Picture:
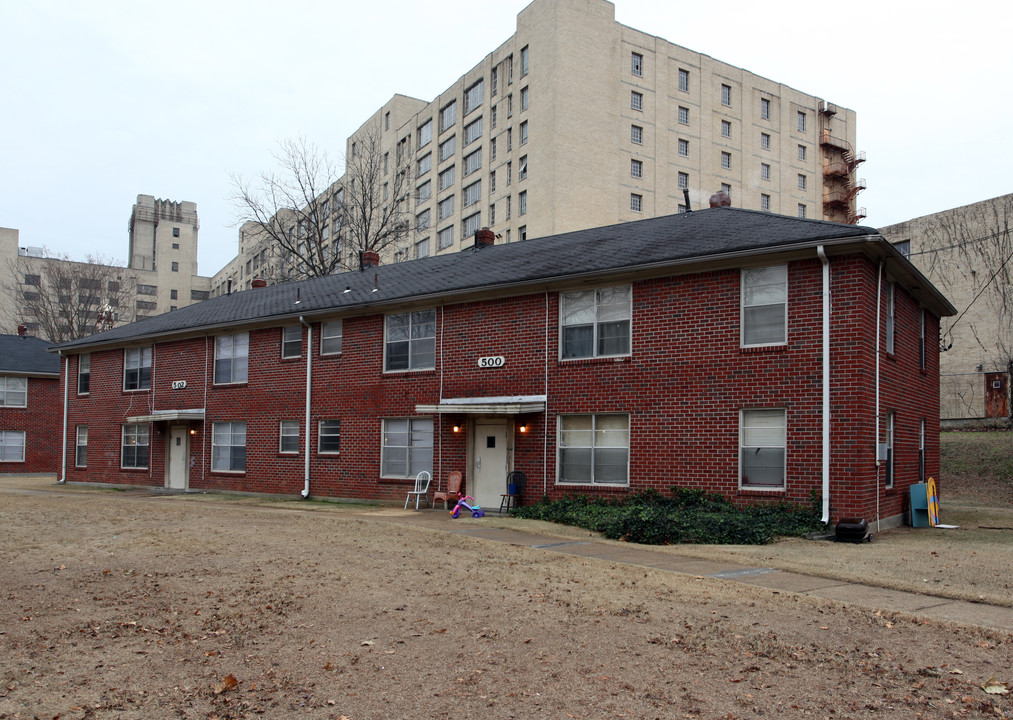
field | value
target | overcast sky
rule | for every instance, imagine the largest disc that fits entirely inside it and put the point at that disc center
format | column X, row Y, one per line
column 102, row 100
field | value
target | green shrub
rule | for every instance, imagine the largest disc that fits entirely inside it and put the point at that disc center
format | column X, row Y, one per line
column 686, row 516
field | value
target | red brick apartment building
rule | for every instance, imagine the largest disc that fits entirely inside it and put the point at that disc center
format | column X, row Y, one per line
column 760, row 356
column 30, row 406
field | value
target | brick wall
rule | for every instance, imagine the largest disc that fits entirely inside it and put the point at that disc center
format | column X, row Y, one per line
column 40, row 421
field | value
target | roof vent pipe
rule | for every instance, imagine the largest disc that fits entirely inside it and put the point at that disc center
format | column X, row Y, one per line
column 685, row 195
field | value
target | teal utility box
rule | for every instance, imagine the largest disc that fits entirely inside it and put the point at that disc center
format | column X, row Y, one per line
column 920, row 506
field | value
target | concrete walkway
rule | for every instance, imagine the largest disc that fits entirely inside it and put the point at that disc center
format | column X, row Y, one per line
column 919, row 604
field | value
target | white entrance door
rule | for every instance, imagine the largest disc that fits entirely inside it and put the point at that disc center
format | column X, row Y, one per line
column 179, row 451
column 490, row 470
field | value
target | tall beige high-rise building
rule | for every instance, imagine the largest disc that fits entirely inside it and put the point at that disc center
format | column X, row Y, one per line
column 578, row 121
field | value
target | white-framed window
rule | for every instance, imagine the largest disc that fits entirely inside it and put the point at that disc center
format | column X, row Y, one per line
column 509, row 204
column 636, row 202
column 473, row 96
column 424, row 191
column 594, row 449
column 494, row 83
column 472, row 131
column 802, row 152
column 888, row 438
column 525, row 95
column 802, row 212
column 492, row 182
column 684, row 80
column 726, row 95
column 762, row 446
column 447, row 177
column 81, row 446
column 329, row 437
column 726, row 129
column 446, row 207
column 637, row 64
column 410, row 341
column 921, row 450
column 764, row 171
column 683, row 115
column 492, row 214
column 595, row 323
column 471, row 224
column 764, row 306
column 12, row 445
column 801, row 121
column 228, row 446
column 683, row 147
column 522, row 168
column 765, row 202
column 134, row 446
column 13, row 391
column 726, row 160
column 445, row 237
column 330, row 337
column 522, row 232
column 764, row 109
column 83, row 374
column 422, row 220
column 803, row 181
column 424, row 165
column 291, row 341
column 524, row 60
column 472, row 193
column 492, row 116
column 448, row 147
column 448, row 115
column 765, row 141
column 725, row 187
column 524, row 132
column 473, row 162
column 636, row 134
column 406, row 448
column 232, row 358
column 522, row 202
column 288, row 437
column 510, row 139
column 422, row 248
column 683, row 180
column 425, row 133
column 921, row 339
column 137, row 368
column 636, row 100
column 636, row 168
column 891, row 318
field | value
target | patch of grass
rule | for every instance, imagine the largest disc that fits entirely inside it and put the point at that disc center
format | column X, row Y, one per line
column 686, row 516
column 988, row 453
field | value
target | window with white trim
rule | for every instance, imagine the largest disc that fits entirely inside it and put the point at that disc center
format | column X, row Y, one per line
column 684, row 80
column 329, row 437
column 726, row 129
column 448, row 115
column 446, row 207
column 921, row 450
column 636, row 168
column 726, row 95
column 802, row 153
column 472, row 131
column 921, row 339
column 683, row 180
column 81, row 446
column 803, row 182
column 410, row 341
column 471, row 224
column 13, row 391
column 764, row 202
column 12, row 445
column 801, row 121
column 472, row 193
column 291, row 341
column 424, row 165
column 330, row 337
column 447, row 177
column 594, row 449
column 891, row 317
column 764, row 306
column 524, row 60
column 524, row 132
column 228, row 446
column 524, row 99
column 422, row 220
column 522, row 168
column 83, row 374
column 764, row 109
column 522, row 202
column 683, row 147
column 683, row 115
column 765, row 141
column 888, row 437
column 134, row 447
column 762, row 445
column 137, row 368
column 764, row 171
column 636, row 202
column 425, row 133
column 637, row 64
column 473, row 162
column 232, row 358
column 448, row 147
column 407, row 447
column 636, row 134
column 802, row 212
column 445, row 237
column 288, row 437
column 595, row 323
column 422, row 248
column 424, row 192
column 636, row 100
column 473, row 96
column 726, row 160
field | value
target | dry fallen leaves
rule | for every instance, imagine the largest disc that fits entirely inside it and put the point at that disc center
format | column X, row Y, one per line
column 229, row 682
column 994, row 687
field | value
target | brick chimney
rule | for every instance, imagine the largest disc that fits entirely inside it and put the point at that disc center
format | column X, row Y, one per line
column 721, row 199
column 368, row 259
column 484, row 237
column 22, row 330
column 258, row 283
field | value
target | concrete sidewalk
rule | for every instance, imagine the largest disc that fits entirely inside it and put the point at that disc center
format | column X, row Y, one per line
column 919, row 604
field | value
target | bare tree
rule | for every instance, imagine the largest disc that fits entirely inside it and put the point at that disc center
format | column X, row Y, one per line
column 63, row 300
column 302, row 220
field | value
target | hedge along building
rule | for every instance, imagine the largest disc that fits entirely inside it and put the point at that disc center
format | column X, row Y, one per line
column 760, row 356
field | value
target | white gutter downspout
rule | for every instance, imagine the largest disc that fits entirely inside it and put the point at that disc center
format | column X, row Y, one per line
column 826, row 384
column 875, row 440
column 66, row 389
column 309, row 377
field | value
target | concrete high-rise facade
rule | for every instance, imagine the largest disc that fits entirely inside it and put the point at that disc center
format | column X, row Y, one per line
column 578, row 121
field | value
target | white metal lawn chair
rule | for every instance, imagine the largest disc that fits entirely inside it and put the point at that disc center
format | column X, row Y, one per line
column 421, row 491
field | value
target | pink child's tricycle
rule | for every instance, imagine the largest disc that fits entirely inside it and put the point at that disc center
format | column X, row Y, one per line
column 474, row 507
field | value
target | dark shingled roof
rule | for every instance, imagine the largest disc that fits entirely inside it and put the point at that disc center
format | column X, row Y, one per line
column 26, row 355
column 656, row 242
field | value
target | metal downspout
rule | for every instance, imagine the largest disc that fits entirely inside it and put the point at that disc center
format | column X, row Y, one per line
column 875, row 440
column 66, row 400
column 309, row 378
column 826, row 384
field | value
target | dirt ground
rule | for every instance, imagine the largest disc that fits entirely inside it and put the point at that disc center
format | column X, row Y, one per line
column 133, row 605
